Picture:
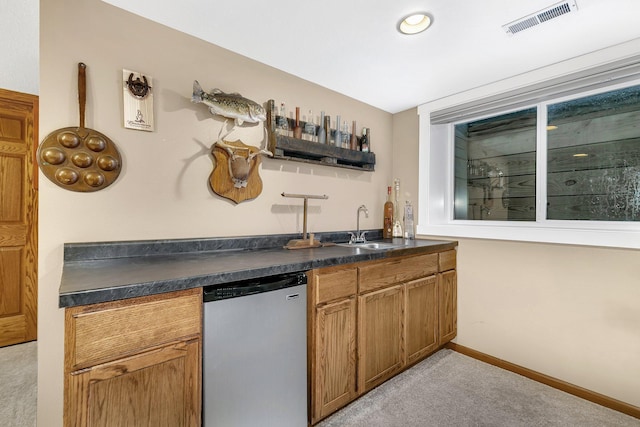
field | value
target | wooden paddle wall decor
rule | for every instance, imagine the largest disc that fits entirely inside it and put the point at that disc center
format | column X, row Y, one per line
column 235, row 173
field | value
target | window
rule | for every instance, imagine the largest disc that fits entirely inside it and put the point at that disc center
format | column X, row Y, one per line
column 495, row 168
column 593, row 157
column 593, row 161
column 556, row 161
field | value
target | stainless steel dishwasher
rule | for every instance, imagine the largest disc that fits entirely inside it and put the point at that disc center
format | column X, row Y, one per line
column 255, row 353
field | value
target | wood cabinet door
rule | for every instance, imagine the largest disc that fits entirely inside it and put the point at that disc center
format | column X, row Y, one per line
column 334, row 373
column 18, row 217
column 448, row 305
column 380, row 336
column 421, row 318
column 156, row 388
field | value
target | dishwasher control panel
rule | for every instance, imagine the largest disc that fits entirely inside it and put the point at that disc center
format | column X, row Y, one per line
column 253, row 286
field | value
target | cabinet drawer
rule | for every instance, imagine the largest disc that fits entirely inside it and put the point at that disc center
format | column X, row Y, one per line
column 447, row 261
column 387, row 273
column 106, row 331
column 339, row 284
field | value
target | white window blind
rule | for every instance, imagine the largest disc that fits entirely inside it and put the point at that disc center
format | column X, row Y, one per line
column 620, row 71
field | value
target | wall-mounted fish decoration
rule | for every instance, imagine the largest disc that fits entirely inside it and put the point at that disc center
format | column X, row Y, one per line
column 229, row 105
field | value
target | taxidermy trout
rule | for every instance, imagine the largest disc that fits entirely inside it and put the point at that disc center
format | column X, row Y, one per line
column 229, row 105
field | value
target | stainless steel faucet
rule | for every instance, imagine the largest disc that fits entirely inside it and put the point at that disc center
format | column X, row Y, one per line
column 359, row 237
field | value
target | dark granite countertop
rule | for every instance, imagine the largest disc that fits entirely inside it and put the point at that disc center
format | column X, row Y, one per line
column 109, row 271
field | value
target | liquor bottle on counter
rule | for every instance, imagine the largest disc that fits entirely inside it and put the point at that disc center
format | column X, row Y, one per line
column 397, row 226
column 297, row 130
column 387, row 225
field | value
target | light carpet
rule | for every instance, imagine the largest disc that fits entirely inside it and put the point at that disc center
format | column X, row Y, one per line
column 450, row 389
column 18, row 377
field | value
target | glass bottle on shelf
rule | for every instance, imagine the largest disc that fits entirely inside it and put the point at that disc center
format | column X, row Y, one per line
column 309, row 127
column 282, row 124
column 327, row 129
column 397, row 226
column 353, row 142
column 387, row 225
column 345, row 135
column 322, row 134
column 364, row 140
column 337, row 138
column 297, row 130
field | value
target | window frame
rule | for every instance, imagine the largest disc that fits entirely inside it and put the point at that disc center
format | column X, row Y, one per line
column 437, row 154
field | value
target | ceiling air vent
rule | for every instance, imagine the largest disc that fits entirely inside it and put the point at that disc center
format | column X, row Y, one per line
column 539, row 17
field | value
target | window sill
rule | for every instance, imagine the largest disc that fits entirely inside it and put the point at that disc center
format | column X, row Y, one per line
column 533, row 232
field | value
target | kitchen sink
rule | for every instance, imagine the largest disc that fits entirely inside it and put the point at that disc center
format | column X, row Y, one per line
column 374, row 246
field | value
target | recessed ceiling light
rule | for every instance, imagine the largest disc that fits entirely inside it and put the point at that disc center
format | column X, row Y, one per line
column 414, row 23
column 581, row 155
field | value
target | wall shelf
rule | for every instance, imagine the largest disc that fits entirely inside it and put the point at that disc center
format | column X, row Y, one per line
column 288, row 148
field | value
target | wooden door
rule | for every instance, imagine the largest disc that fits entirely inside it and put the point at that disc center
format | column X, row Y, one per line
column 156, row 388
column 335, row 357
column 448, row 312
column 18, row 217
column 380, row 336
column 421, row 318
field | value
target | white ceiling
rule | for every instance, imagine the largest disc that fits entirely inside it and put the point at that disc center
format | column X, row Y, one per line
column 353, row 47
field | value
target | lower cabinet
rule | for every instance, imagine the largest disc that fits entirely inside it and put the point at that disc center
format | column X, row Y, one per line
column 380, row 336
column 406, row 310
column 158, row 387
column 448, row 292
column 332, row 340
column 421, row 318
column 335, row 356
column 134, row 362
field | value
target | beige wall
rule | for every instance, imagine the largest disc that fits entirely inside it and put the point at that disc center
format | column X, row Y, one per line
column 571, row 312
column 162, row 191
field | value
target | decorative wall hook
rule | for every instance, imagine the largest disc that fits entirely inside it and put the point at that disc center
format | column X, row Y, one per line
column 138, row 88
column 137, row 101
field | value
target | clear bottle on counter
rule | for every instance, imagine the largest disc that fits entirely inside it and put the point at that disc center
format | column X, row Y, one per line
column 397, row 226
column 387, row 225
column 409, row 232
